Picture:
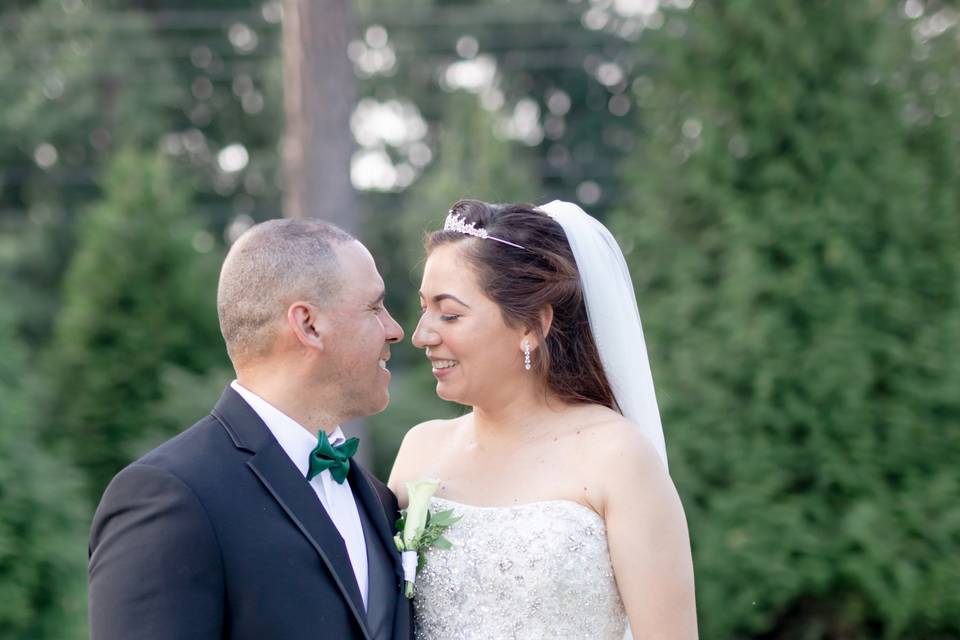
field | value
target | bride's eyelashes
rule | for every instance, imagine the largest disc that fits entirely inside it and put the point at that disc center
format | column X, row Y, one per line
column 445, row 318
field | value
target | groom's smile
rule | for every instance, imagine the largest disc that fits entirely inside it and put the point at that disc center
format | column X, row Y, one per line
column 364, row 330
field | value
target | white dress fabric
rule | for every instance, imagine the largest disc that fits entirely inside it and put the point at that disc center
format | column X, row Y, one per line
column 532, row 571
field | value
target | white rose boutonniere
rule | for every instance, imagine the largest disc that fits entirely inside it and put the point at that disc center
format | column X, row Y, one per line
column 418, row 529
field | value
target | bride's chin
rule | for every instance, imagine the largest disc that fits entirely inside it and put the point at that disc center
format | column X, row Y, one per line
column 446, row 393
column 442, row 395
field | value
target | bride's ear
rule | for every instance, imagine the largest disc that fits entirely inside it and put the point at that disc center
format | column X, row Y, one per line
column 546, row 320
column 307, row 324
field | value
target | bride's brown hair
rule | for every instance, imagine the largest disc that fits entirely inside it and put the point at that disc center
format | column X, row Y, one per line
column 522, row 282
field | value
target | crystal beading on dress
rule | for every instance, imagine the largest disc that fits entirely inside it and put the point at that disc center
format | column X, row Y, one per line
column 532, row 571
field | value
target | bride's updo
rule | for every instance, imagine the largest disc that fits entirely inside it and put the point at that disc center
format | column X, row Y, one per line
column 523, row 281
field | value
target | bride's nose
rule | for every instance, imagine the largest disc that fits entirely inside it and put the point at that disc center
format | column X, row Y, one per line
column 423, row 336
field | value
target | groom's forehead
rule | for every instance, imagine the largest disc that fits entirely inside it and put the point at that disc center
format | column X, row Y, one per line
column 365, row 288
column 356, row 263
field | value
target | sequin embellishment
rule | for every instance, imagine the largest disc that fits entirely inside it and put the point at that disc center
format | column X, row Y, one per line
column 532, row 571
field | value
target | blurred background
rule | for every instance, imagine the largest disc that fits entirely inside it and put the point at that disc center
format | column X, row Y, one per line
column 783, row 175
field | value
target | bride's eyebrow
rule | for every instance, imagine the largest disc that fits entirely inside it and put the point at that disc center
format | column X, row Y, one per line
column 447, row 296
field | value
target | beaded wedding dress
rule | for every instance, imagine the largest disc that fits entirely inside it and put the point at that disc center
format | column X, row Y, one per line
column 533, row 571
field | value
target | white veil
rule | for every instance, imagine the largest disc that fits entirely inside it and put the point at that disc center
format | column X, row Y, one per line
column 614, row 317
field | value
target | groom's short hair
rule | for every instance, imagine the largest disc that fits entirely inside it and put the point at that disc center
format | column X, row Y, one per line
column 270, row 266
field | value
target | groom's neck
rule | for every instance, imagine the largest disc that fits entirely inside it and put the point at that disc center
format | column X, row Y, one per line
column 303, row 405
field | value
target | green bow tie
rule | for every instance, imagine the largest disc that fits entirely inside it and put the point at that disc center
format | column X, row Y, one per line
column 335, row 458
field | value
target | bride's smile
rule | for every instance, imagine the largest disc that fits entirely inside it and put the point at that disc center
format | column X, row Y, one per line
column 442, row 367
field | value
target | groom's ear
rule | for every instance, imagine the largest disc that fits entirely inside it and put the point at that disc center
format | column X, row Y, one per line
column 307, row 324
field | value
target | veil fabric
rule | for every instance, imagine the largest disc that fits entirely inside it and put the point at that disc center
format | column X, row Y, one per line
column 614, row 317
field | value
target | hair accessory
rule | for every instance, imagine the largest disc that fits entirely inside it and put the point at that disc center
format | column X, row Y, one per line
column 455, row 222
column 526, row 355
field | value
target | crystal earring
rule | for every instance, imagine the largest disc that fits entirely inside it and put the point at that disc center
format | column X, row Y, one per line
column 526, row 355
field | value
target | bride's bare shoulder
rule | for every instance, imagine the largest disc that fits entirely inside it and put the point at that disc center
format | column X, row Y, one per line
column 421, row 444
column 424, row 438
column 617, row 446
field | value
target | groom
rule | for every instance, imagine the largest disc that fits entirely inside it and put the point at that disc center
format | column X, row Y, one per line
column 247, row 525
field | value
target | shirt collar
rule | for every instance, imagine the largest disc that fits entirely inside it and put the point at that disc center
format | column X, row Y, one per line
column 293, row 437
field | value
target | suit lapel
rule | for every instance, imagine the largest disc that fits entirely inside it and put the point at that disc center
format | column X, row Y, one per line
column 365, row 494
column 383, row 522
column 293, row 493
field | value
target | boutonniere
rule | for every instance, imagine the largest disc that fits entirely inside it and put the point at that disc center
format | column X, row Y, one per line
column 418, row 529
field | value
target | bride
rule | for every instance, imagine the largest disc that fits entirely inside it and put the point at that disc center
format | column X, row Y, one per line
column 570, row 526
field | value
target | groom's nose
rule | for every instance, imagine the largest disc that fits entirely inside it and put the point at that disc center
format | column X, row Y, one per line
column 392, row 329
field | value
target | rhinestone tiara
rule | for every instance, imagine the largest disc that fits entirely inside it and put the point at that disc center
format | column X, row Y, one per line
column 455, row 222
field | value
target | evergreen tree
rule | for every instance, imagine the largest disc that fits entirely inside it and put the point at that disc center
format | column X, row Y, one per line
column 81, row 80
column 138, row 298
column 42, row 530
column 794, row 234
column 75, row 83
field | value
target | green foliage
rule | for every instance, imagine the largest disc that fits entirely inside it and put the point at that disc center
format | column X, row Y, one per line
column 138, row 298
column 545, row 59
column 471, row 162
column 69, row 99
column 43, row 528
column 66, row 81
column 791, row 211
column 81, row 80
column 185, row 397
column 794, row 235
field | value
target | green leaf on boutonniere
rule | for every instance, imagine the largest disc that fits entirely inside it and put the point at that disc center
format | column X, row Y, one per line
column 442, row 543
column 443, row 518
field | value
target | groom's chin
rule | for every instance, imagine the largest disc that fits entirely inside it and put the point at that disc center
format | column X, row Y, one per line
column 368, row 405
column 381, row 403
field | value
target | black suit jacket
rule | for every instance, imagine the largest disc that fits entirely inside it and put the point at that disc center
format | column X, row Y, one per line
column 216, row 535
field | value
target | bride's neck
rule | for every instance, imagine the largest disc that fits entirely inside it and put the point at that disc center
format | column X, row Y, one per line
column 524, row 417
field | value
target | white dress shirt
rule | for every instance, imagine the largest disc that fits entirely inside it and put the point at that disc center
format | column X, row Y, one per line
column 336, row 498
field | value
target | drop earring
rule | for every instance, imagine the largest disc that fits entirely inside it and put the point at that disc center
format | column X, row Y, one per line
column 526, row 355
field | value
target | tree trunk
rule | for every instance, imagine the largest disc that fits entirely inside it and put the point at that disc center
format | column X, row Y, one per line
column 318, row 100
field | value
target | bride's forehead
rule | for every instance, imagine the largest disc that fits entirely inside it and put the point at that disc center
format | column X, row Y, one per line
column 448, row 263
column 449, row 272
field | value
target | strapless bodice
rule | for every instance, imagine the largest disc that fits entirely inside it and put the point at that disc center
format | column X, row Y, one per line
column 537, row 570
